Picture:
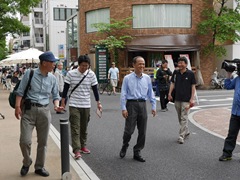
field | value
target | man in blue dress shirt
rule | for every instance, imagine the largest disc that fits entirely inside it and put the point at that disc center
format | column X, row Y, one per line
column 136, row 89
column 35, row 112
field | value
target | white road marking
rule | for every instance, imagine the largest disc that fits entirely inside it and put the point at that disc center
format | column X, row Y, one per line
column 81, row 168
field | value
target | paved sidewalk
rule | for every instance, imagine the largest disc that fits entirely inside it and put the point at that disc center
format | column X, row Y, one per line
column 10, row 154
column 213, row 120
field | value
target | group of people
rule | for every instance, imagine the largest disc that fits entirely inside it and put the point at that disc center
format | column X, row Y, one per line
column 34, row 110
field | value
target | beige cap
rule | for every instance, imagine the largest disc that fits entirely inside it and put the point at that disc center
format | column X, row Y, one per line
column 113, row 62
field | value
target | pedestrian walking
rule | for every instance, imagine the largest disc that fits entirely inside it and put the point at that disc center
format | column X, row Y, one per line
column 80, row 81
column 163, row 76
column 234, row 126
column 35, row 112
column 183, row 81
column 60, row 81
column 136, row 89
column 113, row 75
column 156, row 80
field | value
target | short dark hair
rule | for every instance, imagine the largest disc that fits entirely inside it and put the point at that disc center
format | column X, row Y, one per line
column 83, row 58
column 164, row 61
column 183, row 59
column 135, row 59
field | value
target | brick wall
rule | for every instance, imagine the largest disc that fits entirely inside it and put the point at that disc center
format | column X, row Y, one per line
column 120, row 9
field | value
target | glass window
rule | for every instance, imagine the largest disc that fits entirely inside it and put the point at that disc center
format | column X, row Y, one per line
column 62, row 14
column 56, row 13
column 69, row 13
column 162, row 15
column 97, row 16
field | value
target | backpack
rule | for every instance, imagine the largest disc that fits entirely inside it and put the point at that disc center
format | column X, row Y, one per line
column 12, row 95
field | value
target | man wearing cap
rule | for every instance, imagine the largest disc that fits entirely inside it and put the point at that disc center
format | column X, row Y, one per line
column 35, row 111
column 113, row 75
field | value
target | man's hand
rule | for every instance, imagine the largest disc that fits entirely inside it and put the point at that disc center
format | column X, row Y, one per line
column 125, row 114
column 99, row 106
column 18, row 112
column 154, row 113
column 58, row 108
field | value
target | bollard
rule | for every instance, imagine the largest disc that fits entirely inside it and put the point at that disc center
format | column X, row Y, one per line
column 64, row 146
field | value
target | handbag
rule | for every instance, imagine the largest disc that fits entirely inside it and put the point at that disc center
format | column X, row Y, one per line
column 78, row 84
column 12, row 95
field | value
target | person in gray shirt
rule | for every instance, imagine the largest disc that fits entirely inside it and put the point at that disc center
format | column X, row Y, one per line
column 35, row 111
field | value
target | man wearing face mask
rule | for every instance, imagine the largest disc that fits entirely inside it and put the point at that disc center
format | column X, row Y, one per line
column 80, row 81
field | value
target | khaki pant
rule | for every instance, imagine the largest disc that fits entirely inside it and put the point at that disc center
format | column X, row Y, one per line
column 39, row 117
column 79, row 118
column 182, row 109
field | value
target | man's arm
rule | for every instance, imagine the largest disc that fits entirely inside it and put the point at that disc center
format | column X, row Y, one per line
column 18, row 111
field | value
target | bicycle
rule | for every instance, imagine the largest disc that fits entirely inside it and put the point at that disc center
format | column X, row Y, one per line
column 106, row 86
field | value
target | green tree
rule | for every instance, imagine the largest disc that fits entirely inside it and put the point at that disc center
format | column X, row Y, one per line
column 9, row 22
column 114, row 35
column 223, row 23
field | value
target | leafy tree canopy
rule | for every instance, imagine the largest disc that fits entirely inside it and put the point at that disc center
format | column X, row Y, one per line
column 9, row 22
column 114, row 35
column 223, row 23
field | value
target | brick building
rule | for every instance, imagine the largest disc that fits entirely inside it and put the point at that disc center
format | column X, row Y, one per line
column 161, row 29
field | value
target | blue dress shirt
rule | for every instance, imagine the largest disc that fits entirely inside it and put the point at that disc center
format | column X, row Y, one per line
column 234, row 84
column 41, row 87
column 135, row 87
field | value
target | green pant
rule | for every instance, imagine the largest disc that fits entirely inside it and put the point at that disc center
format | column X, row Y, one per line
column 79, row 118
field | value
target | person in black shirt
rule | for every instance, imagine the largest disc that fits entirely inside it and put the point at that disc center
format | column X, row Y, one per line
column 183, row 81
column 14, row 79
column 163, row 77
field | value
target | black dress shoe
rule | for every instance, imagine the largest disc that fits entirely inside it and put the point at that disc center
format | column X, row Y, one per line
column 42, row 172
column 123, row 152
column 24, row 170
column 139, row 158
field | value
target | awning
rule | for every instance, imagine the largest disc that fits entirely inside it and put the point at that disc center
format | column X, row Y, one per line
column 183, row 42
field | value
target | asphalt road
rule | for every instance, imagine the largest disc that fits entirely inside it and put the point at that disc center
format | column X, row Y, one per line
column 196, row 159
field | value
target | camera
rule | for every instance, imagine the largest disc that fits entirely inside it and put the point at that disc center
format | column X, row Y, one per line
column 231, row 65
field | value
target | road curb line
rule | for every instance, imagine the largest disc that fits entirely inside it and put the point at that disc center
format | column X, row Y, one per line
column 191, row 119
column 81, row 168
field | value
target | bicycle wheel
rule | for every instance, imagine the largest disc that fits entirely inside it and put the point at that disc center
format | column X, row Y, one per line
column 100, row 88
column 109, row 89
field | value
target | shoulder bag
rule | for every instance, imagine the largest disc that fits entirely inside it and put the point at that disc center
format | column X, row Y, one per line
column 78, row 84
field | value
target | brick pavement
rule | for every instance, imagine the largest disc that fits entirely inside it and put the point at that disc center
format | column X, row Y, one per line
column 214, row 119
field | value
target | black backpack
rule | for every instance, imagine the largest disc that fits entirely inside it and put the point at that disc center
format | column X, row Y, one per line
column 12, row 95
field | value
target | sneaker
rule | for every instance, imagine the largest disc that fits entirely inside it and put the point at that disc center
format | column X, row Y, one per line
column 180, row 140
column 187, row 135
column 225, row 158
column 85, row 150
column 77, row 155
column 163, row 110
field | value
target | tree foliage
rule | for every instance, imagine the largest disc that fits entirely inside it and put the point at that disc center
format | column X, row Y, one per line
column 114, row 35
column 9, row 22
column 223, row 23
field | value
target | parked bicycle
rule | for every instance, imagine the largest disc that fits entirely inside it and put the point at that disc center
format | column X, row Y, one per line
column 105, row 86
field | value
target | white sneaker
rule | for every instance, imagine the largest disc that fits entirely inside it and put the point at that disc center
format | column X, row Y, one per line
column 180, row 140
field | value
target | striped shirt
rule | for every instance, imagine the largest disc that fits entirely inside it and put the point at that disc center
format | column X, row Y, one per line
column 80, row 97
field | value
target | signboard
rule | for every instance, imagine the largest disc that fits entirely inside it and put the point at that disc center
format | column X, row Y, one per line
column 61, row 51
column 102, row 64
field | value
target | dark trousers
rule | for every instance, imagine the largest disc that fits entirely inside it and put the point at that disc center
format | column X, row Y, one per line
column 230, row 141
column 137, row 115
column 164, row 98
